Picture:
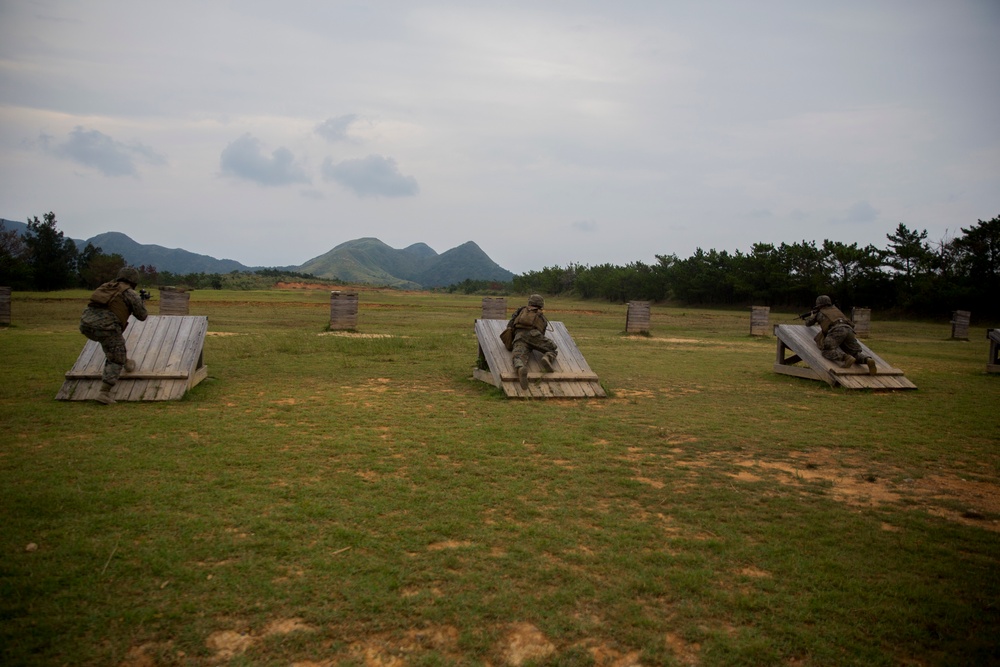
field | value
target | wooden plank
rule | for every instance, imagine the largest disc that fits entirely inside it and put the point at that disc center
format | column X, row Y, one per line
column 572, row 377
column 141, row 375
column 4, row 305
column 758, row 320
column 494, row 308
column 862, row 318
column 552, row 377
column 168, row 353
column 799, row 371
column 174, row 302
column 993, row 361
column 485, row 376
column 637, row 317
column 960, row 320
column 800, row 340
column 140, row 339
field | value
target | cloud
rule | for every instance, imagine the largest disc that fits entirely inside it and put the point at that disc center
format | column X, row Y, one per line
column 861, row 213
column 244, row 158
column 335, row 129
column 92, row 148
column 374, row 175
column 584, row 225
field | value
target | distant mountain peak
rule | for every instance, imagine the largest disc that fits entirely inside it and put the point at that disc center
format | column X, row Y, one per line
column 369, row 260
column 365, row 260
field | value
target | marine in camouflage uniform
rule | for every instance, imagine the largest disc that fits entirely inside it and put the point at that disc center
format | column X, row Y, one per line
column 104, row 320
column 529, row 325
column 836, row 337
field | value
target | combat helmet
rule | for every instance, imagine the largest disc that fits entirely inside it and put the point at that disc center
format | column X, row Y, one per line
column 823, row 300
column 129, row 274
column 536, row 300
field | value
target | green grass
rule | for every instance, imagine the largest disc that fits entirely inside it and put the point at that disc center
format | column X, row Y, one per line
column 326, row 499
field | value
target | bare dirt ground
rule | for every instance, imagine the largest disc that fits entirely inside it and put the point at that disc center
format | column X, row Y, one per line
column 307, row 286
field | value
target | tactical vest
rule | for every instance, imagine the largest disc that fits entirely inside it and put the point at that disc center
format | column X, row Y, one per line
column 530, row 318
column 831, row 315
column 109, row 295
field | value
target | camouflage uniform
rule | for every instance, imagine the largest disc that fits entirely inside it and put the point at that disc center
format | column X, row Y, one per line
column 529, row 325
column 836, row 337
column 104, row 324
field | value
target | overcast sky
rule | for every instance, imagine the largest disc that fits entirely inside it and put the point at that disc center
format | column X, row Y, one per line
column 549, row 133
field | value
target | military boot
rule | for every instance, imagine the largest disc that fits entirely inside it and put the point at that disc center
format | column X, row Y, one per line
column 872, row 369
column 848, row 362
column 547, row 360
column 522, row 376
column 104, row 396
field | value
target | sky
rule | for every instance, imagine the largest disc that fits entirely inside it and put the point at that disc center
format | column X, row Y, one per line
column 549, row 133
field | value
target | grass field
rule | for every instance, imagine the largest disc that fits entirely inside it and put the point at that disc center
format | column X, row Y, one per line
column 331, row 498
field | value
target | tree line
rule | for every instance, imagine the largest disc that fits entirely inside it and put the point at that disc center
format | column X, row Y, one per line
column 43, row 259
column 909, row 276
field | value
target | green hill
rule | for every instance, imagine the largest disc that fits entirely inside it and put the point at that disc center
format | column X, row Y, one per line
column 369, row 260
column 365, row 260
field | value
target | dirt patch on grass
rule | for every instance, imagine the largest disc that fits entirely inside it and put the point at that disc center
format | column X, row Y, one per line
column 354, row 334
column 856, row 481
column 224, row 644
column 307, row 286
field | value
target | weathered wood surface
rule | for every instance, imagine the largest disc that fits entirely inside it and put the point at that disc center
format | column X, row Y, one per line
column 343, row 310
column 494, row 308
column 862, row 318
column 799, row 339
column 572, row 376
column 4, row 305
column 167, row 350
column 174, row 301
column 637, row 318
column 993, row 365
column 960, row 324
column 759, row 316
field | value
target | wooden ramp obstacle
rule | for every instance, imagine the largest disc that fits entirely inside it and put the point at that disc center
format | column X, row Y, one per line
column 174, row 301
column 799, row 339
column 960, row 320
column 637, row 318
column 758, row 320
column 343, row 311
column 572, row 377
column 495, row 308
column 993, row 365
column 167, row 350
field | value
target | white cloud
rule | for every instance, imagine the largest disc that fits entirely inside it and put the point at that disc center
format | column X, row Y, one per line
column 372, row 176
column 336, row 129
column 97, row 150
column 245, row 159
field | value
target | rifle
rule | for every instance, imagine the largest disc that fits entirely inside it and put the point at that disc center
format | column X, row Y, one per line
column 805, row 316
column 144, row 295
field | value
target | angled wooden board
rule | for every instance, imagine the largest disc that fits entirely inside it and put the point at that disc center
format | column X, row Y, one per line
column 799, row 339
column 572, row 376
column 168, row 351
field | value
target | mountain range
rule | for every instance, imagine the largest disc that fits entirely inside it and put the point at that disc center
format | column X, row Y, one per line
column 361, row 261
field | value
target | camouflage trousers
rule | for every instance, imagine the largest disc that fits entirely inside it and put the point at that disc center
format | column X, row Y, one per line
column 840, row 341
column 526, row 340
column 113, row 344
